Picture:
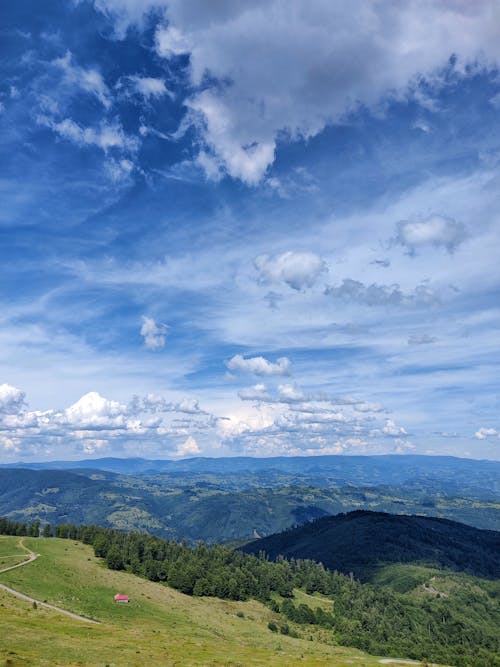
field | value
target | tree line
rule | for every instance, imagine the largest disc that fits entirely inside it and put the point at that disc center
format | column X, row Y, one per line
column 460, row 630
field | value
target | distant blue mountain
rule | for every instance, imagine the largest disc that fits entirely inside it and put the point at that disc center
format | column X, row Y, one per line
column 458, row 476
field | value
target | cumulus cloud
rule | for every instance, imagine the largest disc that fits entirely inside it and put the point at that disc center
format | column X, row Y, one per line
column 93, row 410
column 291, row 421
column 392, row 429
column 298, row 270
column 259, row 365
column 437, row 230
column 12, row 400
column 286, row 70
column 382, row 295
column 95, row 423
column 188, row 448
column 154, row 334
column 89, row 80
column 484, row 433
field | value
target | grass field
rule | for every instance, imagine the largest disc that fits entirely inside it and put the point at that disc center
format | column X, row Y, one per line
column 159, row 627
column 11, row 552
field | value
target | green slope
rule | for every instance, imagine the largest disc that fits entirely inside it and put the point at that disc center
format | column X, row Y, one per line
column 160, row 626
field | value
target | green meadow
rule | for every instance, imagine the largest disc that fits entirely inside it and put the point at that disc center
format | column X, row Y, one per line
column 160, row 626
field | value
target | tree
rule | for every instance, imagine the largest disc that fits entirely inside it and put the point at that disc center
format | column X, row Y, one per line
column 114, row 559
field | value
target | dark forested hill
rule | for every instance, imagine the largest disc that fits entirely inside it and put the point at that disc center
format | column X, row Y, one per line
column 361, row 541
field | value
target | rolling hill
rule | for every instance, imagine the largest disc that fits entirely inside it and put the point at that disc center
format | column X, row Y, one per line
column 457, row 476
column 160, row 626
column 361, row 542
column 214, row 508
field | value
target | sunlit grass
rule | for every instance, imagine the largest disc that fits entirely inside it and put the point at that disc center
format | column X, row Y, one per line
column 159, row 626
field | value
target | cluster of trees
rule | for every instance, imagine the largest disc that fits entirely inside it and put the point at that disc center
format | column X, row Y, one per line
column 461, row 630
column 21, row 528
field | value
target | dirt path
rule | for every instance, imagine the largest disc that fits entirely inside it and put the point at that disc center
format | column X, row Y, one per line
column 394, row 661
column 33, row 556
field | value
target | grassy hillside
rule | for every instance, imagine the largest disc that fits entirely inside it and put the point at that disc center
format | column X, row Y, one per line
column 361, row 541
column 160, row 626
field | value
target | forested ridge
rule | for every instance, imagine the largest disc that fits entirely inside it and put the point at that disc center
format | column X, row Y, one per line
column 460, row 630
column 361, row 541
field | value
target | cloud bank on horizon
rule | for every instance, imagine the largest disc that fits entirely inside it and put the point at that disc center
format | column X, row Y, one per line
column 285, row 213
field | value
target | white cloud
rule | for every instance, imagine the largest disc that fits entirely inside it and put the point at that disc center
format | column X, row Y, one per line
column 171, row 42
column 282, row 71
column 119, row 170
column 289, row 393
column 95, row 423
column 107, row 136
column 299, row 270
column 436, row 230
column 188, row 448
column 288, row 70
column 290, row 422
column 484, row 433
column 93, row 410
column 255, row 393
column 392, row 429
column 154, row 404
column 11, row 399
column 259, row 365
column 382, row 295
column 154, row 334
column 149, row 87
column 89, row 80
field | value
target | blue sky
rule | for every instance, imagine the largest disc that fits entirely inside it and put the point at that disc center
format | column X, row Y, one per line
column 249, row 228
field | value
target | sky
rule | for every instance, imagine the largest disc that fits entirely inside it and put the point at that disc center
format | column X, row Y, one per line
column 249, row 228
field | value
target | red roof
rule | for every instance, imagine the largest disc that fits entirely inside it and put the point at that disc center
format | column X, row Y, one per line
column 118, row 597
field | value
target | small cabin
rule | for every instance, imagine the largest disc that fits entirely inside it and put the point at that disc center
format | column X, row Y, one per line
column 121, row 598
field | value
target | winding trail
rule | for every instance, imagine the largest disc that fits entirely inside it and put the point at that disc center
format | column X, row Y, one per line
column 395, row 661
column 31, row 557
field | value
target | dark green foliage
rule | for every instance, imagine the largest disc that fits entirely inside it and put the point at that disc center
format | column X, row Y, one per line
column 459, row 630
column 20, row 528
column 360, row 541
column 114, row 558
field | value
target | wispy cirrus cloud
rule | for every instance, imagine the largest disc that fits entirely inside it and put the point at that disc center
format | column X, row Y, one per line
column 88, row 79
column 106, row 136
